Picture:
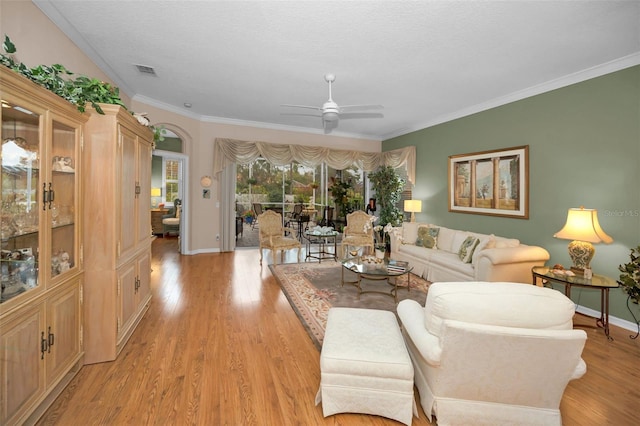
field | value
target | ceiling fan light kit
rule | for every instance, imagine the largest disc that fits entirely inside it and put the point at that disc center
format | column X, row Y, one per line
column 331, row 110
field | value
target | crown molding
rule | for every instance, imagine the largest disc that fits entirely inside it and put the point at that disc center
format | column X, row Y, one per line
column 564, row 81
column 245, row 123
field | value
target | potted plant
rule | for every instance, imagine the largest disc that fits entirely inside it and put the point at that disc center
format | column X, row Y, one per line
column 252, row 181
column 630, row 277
column 249, row 216
column 339, row 192
column 630, row 281
column 381, row 239
column 388, row 187
column 314, row 185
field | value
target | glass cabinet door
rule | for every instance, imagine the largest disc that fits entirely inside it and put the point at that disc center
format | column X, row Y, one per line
column 61, row 197
column 21, row 192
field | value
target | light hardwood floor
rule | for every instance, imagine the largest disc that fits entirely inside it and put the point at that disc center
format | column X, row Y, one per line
column 221, row 345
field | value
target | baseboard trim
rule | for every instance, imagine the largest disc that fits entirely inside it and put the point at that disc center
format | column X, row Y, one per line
column 619, row 322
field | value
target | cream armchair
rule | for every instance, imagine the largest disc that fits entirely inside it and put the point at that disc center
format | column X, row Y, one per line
column 492, row 353
column 358, row 232
column 272, row 236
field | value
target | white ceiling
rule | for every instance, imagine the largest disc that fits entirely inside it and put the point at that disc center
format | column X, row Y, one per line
column 427, row 62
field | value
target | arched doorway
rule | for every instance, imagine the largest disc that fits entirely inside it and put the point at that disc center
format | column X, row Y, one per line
column 169, row 176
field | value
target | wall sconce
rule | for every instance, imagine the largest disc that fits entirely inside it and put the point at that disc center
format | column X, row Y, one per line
column 413, row 206
column 583, row 227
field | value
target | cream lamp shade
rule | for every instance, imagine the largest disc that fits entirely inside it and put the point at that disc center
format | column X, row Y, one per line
column 413, row 206
column 584, row 229
column 156, row 192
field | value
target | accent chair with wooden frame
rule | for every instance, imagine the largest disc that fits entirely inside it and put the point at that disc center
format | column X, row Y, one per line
column 272, row 236
column 358, row 232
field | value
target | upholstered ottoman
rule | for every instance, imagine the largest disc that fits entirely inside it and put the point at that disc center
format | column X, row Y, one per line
column 365, row 366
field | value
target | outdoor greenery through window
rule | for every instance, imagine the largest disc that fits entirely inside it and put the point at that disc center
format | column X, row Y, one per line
column 171, row 179
column 281, row 187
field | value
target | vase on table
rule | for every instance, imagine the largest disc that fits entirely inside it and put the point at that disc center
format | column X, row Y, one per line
column 380, row 253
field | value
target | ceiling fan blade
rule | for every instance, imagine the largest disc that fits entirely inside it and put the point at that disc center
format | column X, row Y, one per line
column 349, row 115
column 347, row 108
column 302, row 106
column 299, row 114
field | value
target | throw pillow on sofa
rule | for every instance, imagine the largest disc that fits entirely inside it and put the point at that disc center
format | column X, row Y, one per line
column 410, row 232
column 427, row 236
column 466, row 249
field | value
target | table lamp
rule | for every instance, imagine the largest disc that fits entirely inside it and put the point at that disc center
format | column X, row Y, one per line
column 155, row 192
column 583, row 228
column 413, row 206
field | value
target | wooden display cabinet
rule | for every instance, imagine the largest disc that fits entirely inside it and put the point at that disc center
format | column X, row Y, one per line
column 41, row 230
column 117, row 156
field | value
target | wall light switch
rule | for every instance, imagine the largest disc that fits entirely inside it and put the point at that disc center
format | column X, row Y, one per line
column 206, row 193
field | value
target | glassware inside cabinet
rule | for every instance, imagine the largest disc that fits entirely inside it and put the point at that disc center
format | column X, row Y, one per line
column 20, row 214
column 62, row 198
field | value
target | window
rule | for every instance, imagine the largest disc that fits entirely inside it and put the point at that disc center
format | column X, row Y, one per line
column 281, row 187
column 171, row 179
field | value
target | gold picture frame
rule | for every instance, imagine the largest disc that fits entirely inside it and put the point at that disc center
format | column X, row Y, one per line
column 475, row 179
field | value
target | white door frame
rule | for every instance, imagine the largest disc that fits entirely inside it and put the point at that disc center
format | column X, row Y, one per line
column 185, row 226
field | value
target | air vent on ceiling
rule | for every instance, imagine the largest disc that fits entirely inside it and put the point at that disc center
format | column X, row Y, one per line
column 143, row 69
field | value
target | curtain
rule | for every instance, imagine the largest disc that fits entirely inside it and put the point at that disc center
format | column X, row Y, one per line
column 228, row 151
column 228, row 213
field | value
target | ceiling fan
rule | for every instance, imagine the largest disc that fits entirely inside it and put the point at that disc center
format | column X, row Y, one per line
column 332, row 112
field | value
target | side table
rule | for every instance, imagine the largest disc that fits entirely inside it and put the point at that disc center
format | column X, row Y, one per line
column 322, row 240
column 156, row 220
column 600, row 282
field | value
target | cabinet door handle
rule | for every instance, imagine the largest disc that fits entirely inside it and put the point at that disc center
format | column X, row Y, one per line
column 43, row 345
column 51, row 340
column 51, row 195
column 45, row 196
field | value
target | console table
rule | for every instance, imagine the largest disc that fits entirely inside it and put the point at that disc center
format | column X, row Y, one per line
column 600, row 282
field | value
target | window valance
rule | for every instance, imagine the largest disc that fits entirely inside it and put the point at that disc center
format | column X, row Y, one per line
column 227, row 151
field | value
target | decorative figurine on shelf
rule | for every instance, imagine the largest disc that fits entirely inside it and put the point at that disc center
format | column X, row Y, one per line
column 55, row 265
column 62, row 164
column 64, row 265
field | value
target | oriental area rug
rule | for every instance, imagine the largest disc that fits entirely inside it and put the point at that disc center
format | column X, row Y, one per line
column 313, row 288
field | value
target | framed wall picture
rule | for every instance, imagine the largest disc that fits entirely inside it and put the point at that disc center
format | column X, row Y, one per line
column 491, row 182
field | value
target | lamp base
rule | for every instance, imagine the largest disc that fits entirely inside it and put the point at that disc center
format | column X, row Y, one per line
column 413, row 217
column 581, row 253
column 578, row 271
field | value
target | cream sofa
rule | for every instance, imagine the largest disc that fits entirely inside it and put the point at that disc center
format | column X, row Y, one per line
column 492, row 353
column 494, row 258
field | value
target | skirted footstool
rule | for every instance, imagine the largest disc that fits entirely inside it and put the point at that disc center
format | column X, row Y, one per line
column 365, row 367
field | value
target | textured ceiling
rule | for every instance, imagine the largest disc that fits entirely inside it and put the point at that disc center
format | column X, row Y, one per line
column 426, row 62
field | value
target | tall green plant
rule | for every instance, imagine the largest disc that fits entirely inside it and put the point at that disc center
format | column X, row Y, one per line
column 388, row 186
column 630, row 277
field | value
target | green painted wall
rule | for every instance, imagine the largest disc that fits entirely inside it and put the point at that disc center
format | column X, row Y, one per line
column 170, row 144
column 584, row 149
